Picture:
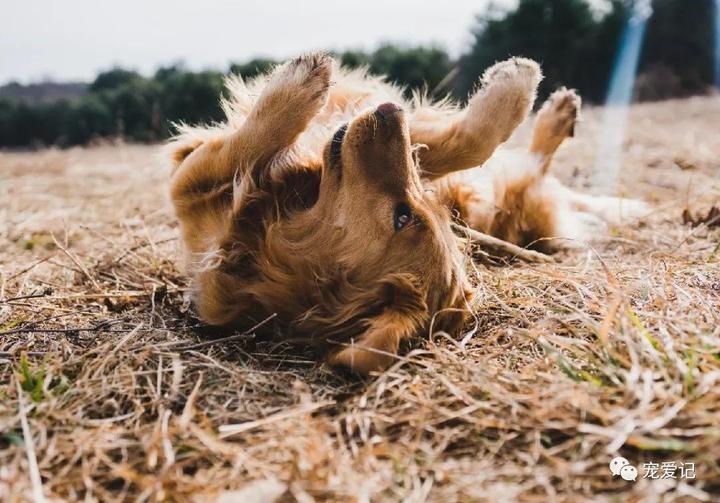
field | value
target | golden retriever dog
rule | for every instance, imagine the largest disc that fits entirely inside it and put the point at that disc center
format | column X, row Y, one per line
column 327, row 199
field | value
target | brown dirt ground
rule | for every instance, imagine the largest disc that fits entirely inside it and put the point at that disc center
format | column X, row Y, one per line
column 106, row 394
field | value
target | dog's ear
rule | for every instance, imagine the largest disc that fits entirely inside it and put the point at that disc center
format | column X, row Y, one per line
column 404, row 314
column 182, row 149
column 377, row 347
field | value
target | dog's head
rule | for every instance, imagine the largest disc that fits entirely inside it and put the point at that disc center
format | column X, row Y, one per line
column 355, row 253
column 401, row 264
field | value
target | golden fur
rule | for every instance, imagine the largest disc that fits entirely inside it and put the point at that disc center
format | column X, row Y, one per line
column 348, row 239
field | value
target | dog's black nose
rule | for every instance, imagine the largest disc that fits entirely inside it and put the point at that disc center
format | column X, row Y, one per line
column 387, row 109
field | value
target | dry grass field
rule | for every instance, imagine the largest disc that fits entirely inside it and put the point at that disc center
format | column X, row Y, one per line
column 110, row 389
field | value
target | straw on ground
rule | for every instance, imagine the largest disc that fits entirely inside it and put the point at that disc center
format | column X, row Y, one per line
column 110, row 390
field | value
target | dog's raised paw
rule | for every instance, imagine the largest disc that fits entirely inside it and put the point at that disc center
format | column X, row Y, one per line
column 311, row 72
column 522, row 73
column 560, row 112
column 505, row 97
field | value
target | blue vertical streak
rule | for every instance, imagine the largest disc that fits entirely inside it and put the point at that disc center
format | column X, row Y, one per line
column 626, row 63
column 617, row 103
column 717, row 43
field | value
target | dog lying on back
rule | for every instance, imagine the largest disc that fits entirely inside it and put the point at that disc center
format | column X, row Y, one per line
column 328, row 200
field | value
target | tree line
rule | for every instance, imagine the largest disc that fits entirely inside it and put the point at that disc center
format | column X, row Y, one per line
column 575, row 42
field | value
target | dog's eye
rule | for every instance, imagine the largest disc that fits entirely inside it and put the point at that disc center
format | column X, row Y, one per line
column 336, row 144
column 403, row 216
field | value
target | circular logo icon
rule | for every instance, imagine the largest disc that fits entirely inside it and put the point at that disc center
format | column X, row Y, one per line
column 617, row 464
column 628, row 472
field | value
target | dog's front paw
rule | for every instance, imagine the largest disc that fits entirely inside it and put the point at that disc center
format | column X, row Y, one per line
column 507, row 92
column 520, row 74
column 309, row 75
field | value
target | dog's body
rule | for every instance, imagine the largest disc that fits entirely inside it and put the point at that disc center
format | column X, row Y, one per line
column 309, row 203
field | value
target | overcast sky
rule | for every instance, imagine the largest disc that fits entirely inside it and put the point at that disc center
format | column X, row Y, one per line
column 73, row 39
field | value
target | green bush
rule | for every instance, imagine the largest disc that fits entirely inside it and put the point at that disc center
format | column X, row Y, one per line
column 577, row 45
column 252, row 68
column 565, row 36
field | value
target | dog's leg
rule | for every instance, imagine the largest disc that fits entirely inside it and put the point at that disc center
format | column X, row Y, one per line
column 468, row 138
column 518, row 203
column 554, row 123
column 294, row 94
column 531, row 205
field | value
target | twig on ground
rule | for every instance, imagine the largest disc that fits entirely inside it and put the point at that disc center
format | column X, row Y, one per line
column 30, row 267
column 223, row 340
column 227, row 430
column 87, row 296
column 36, row 480
column 8, row 354
column 103, row 324
column 711, row 220
column 77, row 262
column 44, row 293
column 142, row 245
column 503, row 247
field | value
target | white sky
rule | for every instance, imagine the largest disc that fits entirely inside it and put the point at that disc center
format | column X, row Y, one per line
column 73, row 39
